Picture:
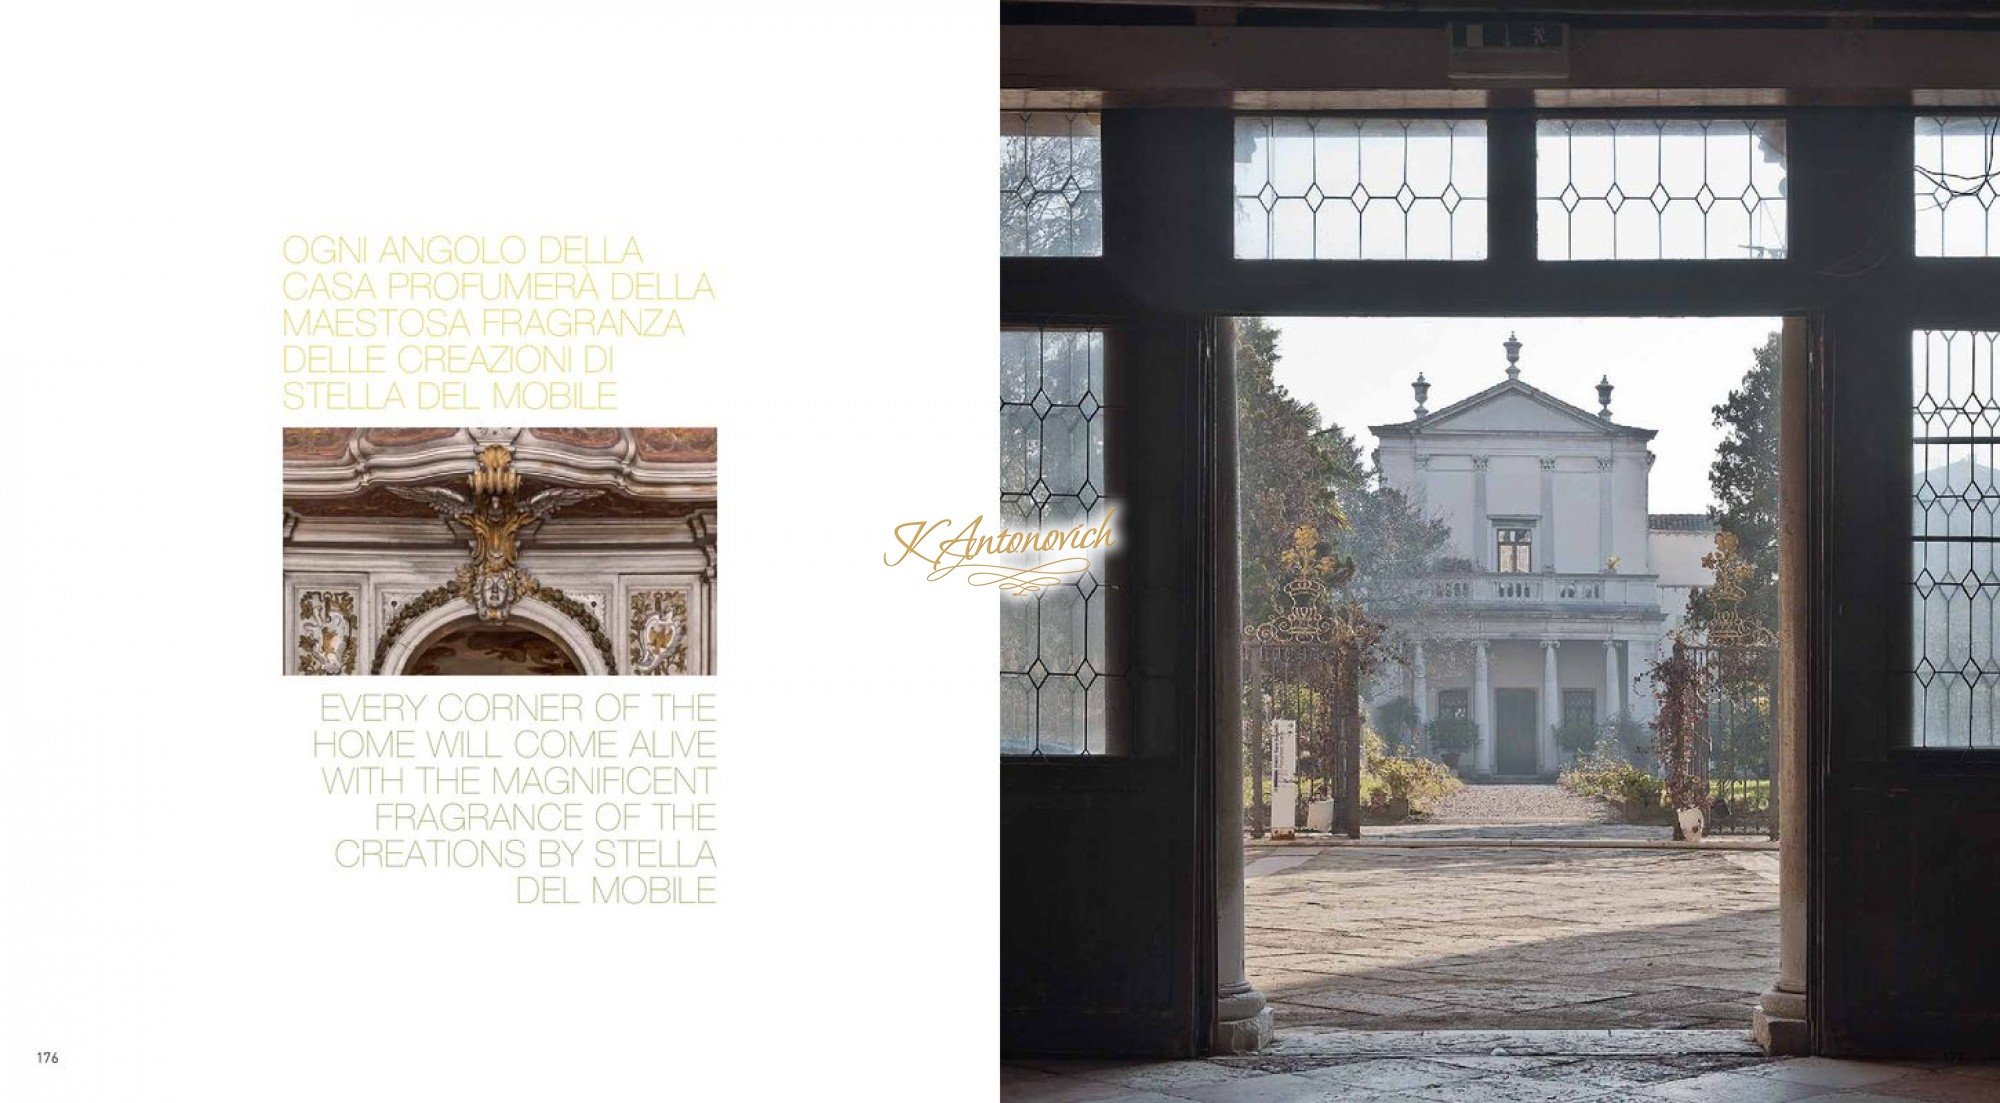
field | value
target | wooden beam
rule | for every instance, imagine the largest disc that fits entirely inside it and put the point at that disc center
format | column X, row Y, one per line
column 1216, row 66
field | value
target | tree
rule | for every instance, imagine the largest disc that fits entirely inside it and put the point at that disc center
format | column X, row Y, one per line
column 1308, row 504
column 1294, row 471
column 1287, row 473
column 1744, row 480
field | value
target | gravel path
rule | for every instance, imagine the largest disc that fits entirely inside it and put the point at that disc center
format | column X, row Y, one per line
column 1498, row 804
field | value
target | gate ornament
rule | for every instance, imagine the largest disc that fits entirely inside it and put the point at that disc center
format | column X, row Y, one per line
column 1307, row 621
column 1311, row 618
column 1728, row 627
column 494, row 522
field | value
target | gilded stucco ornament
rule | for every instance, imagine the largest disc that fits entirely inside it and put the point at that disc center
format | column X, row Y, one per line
column 327, row 632
column 494, row 520
column 659, row 632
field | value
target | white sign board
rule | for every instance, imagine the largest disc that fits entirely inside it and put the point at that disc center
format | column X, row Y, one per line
column 1284, row 776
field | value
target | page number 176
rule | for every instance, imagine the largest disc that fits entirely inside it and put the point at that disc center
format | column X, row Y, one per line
column 47, row 1057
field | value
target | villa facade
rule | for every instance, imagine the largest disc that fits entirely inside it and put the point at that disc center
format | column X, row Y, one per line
column 1557, row 587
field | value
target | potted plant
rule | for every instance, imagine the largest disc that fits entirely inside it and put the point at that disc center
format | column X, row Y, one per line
column 1452, row 734
column 1397, row 721
column 1577, row 737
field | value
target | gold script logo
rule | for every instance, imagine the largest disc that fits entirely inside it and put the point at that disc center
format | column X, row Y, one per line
column 1019, row 561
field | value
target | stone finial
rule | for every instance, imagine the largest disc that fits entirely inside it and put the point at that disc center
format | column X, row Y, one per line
column 1604, row 397
column 1422, row 389
column 1513, row 347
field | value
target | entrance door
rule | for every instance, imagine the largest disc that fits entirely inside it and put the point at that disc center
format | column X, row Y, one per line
column 1906, row 767
column 1514, row 731
column 1107, row 831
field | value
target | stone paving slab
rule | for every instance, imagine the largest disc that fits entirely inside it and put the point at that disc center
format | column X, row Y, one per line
column 1514, row 937
column 1511, row 1043
column 1280, row 853
column 1437, row 1075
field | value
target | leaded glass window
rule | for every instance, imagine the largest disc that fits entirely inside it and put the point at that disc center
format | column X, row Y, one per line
column 1954, row 578
column 1956, row 182
column 1360, row 188
column 1454, row 702
column 1060, row 682
column 1579, row 706
column 1514, row 550
column 1051, row 185
column 1660, row 189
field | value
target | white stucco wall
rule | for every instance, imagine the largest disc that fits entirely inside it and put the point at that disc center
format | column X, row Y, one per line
column 1677, row 557
column 1517, row 433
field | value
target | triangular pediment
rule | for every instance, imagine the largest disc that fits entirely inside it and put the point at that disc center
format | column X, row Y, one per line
column 1513, row 407
column 1515, row 411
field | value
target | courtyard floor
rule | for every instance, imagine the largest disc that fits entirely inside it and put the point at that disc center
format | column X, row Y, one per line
column 1300, row 1077
column 1464, row 923
column 1516, row 947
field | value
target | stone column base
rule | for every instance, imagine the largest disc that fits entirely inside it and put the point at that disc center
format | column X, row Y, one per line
column 1779, row 1024
column 1242, row 1021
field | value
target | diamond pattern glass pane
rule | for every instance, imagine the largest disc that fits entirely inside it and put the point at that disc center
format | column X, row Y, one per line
column 1360, row 189
column 1051, row 185
column 1955, row 426
column 1660, row 189
column 1059, row 683
column 1956, row 178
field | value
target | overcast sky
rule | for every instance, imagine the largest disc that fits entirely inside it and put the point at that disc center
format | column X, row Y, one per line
column 1668, row 373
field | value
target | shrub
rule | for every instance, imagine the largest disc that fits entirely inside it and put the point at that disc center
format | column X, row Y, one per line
column 1604, row 772
column 1630, row 739
column 1397, row 721
column 1576, row 736
column 1388, row 777
column 1453, row 733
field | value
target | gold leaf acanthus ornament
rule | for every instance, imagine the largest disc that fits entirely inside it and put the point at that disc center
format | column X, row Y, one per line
column 1727, row 626
column 494, row 520
column 1312, row 616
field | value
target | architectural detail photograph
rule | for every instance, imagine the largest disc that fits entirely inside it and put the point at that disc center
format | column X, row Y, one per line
column 1555, row 655
column 499, row 551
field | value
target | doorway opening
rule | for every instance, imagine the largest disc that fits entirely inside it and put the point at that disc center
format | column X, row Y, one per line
column 1513, row 670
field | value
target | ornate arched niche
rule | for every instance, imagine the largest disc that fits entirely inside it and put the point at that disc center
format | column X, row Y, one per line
column 544, row 634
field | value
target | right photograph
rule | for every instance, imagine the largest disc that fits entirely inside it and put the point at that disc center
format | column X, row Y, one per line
column 1555, row 648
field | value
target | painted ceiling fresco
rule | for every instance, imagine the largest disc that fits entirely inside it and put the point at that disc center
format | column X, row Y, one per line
column 483, row 650
column 333, row 449
column 655, row 445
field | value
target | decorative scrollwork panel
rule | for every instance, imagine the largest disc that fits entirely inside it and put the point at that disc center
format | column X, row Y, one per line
column 328, row 632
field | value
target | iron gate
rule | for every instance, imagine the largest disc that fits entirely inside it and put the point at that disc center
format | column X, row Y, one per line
column 1734, row 743
column 1302, row 666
